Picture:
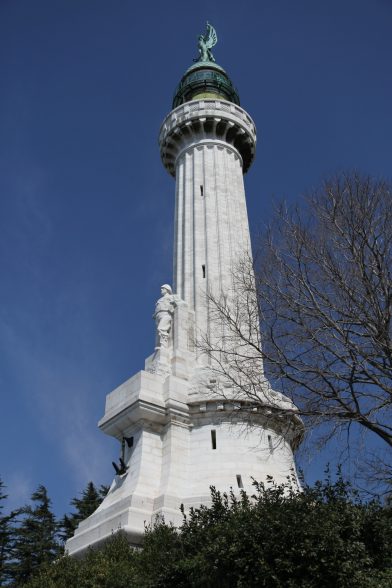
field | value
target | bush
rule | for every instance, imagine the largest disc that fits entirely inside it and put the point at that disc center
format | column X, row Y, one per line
column 323, row 537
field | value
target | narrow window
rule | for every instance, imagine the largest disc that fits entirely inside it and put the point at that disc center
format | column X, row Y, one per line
column 270, row 445
column 203, row 267
column 213, row 439
column 239, row 481
column 201, row 191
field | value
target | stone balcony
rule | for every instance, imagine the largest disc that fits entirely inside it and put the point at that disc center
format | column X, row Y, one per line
column 207, row 120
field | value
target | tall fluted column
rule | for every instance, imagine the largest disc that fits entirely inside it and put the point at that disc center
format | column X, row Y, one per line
column 208, row 145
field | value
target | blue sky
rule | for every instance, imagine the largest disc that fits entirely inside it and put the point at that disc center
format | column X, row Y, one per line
column 86, row 207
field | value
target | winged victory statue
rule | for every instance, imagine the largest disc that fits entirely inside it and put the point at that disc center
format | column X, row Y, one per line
column 206, row 43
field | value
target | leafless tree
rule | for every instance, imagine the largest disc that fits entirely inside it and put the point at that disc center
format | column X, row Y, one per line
column 320, row 289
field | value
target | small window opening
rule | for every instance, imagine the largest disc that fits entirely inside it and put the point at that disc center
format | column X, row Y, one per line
column 201, row 191
column 213, row 439
column 270, row 445
column 203, row 267
column 239, row 481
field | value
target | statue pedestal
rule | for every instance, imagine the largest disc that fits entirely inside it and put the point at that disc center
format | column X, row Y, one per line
column 159, row 362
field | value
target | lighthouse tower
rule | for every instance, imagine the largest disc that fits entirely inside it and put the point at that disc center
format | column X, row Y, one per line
column 180, row 432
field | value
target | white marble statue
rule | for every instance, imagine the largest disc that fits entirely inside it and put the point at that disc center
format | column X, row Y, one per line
column 163, row 315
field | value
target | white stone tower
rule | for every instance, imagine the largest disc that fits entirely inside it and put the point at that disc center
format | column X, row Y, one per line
column 178, row 435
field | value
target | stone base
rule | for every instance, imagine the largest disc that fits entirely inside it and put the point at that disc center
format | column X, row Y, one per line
column 179, row 450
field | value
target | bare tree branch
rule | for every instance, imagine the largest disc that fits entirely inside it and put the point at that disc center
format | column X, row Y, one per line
column 315, row 309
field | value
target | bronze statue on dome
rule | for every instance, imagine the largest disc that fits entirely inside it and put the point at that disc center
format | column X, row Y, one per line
column 206, row 43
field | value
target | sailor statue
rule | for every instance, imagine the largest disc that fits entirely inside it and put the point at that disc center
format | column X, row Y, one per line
column 163, row 315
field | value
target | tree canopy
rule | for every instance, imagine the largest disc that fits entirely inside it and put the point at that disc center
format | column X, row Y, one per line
column 34, row 538
column 322, row 537
column 31, row 537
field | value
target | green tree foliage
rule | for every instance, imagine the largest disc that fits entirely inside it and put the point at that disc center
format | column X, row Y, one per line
column 85, row 506
column 34, row 542
column 113, row 566
column 323, row 537
column 5, row 536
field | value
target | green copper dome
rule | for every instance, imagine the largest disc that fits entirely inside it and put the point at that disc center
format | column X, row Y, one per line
column 205, row 79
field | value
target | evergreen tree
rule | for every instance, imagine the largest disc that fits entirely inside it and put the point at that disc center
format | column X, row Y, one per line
column 5, row 536
column 85, row 506
column 34, row 543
